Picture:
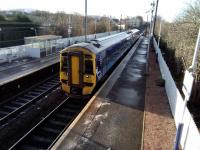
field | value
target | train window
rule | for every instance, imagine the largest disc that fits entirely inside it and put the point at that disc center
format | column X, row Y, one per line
column 88, row 67
column 64, row 64
column 64, row 54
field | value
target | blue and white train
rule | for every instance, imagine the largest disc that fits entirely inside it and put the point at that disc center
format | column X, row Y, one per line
column 83, row 65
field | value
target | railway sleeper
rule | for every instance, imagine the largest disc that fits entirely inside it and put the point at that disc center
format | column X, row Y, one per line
column 74, row 106
column 57, row 123
column 34, row 93
column 29, row 147
column 51, row 83
column 22, row 100
column 45, row 134
column 52, row 130
column 7, row 110
column 10, row 107
column 64, row 120
column 42, row 88
column 39, row 90
column 45, row 139
column 54, row 81
column 28, row 97
column 40, row 142
column 3, row 112
column 70, row 111
column 15, row 103
column 53, row 126
column 64, row 116
column 46, row 86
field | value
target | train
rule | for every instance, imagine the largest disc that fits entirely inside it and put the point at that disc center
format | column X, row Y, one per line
column 83, row 65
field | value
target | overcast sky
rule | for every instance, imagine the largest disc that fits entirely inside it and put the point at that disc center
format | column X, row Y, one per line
column 168, row 9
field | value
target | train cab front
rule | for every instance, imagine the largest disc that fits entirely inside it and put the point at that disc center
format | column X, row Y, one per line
column 77, row 72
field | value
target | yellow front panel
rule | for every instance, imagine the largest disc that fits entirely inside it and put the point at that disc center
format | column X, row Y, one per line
column 75, row 69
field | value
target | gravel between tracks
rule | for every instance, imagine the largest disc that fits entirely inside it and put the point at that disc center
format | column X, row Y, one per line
column 159, row 126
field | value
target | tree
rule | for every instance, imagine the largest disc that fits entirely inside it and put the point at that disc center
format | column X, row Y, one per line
column 21, row 18
column 139, row 20
column 2, row 18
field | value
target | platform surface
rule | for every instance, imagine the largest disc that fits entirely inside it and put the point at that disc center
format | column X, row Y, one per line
column 158, row 123
column 13, row 71
column 114, row 120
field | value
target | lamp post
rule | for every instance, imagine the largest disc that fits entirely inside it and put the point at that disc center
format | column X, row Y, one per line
column 120, row 23
column 95, row 28
column 152, row 19
column 85, row 20
column 109, row 25
column 69, row 26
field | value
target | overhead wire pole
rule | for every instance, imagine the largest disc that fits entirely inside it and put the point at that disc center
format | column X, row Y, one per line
column 155, row 16
column 85, row 20
column 69, row 29
column 95, row 27
column 109, row 25
column 159, row 34
column 148, row 25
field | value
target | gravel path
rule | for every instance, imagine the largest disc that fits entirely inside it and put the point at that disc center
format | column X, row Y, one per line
column 159, row 126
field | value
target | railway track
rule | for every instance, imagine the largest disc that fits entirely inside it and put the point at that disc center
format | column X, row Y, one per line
column 48, row 130
column 15, row 105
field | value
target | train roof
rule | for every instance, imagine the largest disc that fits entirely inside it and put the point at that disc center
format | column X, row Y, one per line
column 135, row 31
column 101, row 44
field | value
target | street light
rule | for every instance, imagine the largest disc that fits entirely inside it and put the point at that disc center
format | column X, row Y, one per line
column 69, row 27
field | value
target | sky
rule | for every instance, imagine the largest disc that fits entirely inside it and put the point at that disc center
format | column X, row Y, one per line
column 168, row 9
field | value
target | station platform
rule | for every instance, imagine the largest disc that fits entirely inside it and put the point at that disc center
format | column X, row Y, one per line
column 20, row 68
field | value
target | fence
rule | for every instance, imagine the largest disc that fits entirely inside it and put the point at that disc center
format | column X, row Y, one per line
column 190, row 137
column 15, row 52
column 195, row 97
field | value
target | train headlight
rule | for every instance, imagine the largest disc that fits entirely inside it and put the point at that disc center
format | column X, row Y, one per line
column 87, row 76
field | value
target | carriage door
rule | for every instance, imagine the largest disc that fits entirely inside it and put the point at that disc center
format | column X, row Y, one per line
column 76, row 69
